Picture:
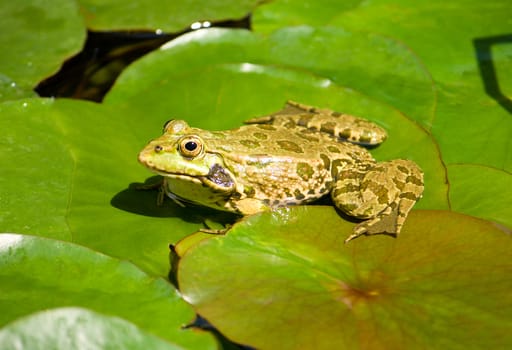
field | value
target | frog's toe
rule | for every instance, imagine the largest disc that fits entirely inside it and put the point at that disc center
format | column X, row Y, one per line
column 377, row 226
column 358, row 231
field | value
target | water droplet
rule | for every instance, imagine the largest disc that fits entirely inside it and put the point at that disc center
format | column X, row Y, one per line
column 195, row 25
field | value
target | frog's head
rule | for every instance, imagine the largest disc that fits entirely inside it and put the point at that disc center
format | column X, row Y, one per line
column 181, row 154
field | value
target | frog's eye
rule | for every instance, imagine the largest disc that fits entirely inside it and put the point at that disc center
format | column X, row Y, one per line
column 190, row 146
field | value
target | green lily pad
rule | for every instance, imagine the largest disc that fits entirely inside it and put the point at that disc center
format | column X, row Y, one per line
column 37, row 38
column 333, row 53
column 289, row 13
column 68, row 172
column 496, row 205
column 464, row 46
column 286, row 280
column 39, row 273
column 77, row 328
column 169, row 16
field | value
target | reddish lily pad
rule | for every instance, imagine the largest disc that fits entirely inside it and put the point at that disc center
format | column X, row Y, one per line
column 286, row 280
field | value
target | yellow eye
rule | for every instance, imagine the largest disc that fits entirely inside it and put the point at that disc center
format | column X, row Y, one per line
column 190, row 146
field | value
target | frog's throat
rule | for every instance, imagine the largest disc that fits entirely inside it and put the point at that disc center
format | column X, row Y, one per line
column 218, row 179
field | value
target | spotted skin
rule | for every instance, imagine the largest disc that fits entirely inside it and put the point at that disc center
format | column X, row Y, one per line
column 292, row 157
column 343, row 126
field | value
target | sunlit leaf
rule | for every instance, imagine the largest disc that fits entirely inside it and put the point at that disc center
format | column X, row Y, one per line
column 68, row 175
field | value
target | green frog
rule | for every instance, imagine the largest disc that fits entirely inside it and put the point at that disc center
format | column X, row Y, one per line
column 292, row 157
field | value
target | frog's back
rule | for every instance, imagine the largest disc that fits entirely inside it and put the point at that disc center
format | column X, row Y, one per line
column 285, row 165
column 281, row 142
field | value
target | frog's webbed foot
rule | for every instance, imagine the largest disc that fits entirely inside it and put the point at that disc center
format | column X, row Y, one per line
column 383, row 194
column 158, row 185
column 385, row 223
column 162, row 193
column 149, row 186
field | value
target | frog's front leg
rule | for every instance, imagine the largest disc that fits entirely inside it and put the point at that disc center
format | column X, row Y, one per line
column 383, row 193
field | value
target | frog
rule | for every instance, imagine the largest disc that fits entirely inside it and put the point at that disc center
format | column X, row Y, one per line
column 292, row 157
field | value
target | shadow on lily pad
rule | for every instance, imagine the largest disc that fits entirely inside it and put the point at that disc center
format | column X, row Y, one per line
column 142, row 199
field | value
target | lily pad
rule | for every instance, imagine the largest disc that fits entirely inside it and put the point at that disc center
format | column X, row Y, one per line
column 77, row 328
column 68, row 174
column 169, row 16
column 40, row 273
column 283, row 280
column 37, row 38
column 496, row 205
column 360, row 61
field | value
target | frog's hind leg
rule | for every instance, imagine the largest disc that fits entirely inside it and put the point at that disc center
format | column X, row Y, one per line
column 344, row 127
column 382, row 193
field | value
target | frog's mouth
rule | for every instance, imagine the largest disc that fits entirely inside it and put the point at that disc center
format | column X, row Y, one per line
column 218, row 178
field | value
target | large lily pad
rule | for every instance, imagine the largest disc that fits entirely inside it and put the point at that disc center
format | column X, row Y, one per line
column 39, row 273
column 280, row 280
column 356, row 60
column 77, row 328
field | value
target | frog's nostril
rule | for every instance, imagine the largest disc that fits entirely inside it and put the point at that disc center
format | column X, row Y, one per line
column 158, row 148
